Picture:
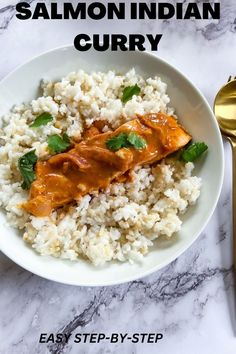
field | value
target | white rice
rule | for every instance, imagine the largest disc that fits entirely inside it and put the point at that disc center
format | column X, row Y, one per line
column 120, row 223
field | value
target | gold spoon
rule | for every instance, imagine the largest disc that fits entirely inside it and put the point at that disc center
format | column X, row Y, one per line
column 225, row 112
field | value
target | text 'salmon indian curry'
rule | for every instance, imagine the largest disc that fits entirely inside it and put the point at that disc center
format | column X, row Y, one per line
column 90, row 165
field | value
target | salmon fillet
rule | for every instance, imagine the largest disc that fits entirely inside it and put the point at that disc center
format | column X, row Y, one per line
column 90, row 166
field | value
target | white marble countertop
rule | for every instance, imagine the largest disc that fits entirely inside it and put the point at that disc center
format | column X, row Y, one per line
column 191, row 300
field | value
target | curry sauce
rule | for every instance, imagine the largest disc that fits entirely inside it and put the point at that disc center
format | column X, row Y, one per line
column 90, row 166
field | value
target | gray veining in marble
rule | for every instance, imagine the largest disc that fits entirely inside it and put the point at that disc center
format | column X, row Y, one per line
column 191, row 300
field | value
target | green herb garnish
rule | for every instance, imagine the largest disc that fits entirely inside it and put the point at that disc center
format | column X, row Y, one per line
column 193, row 152
column 117, row 142
column 137, row 141
column 58, row 144
column 42, row 119
column 124, row 140
column 26, row 165
column 129, row 92
column 66, row 138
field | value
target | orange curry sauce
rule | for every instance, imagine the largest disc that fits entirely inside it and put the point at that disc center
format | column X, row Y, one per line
column 90, row 166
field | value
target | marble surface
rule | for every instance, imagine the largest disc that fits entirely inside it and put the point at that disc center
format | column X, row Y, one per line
column 190, row 301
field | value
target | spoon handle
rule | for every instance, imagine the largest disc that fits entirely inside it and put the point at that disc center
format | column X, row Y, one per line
column 233, row 144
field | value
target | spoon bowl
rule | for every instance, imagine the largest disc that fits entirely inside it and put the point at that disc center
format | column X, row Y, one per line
column 225, row 109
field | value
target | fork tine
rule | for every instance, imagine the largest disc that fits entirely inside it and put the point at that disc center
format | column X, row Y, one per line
column 230, row 78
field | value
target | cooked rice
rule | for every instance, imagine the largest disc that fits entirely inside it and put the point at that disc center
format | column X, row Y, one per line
column 121, row 222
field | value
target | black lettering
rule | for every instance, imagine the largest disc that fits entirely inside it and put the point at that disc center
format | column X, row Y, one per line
column 23, row 11
column 50, row 338
column 59, row 337
column 103, row 46
column 96, row 6
column 67, row 337
column 82, row 47
column 54, row 14
column 179, row 10
column 148, row 10
column 101, row 336
column 78, row 335
column 118, row 40
column 192, row 11
column 93, row 338
column 209, row 10
column 70, row 12
column 135, row 338
column 42, row 338
column 123, row 337
column 143, row 335
column 165, row 11
column 150, row 338
column 114, row 338
column 41, row 11
column 114, row 9
column 133, row 11
column 159, row 336
column 136, row 41
column 86, row 335
column 154, row 41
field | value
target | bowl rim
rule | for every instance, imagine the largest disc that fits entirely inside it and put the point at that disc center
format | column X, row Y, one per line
column 195, row 235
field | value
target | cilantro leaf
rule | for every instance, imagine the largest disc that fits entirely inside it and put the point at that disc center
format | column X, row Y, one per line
column 26, row 165
column 117, row 142
column 129, row 92
column 42, row 119
column 126, row 140
column 66, row 138
column 137, row 141
column 58, row 144
column 193, row 152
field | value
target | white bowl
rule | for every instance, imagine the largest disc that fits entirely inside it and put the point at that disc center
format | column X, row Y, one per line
column 194, row 113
